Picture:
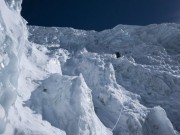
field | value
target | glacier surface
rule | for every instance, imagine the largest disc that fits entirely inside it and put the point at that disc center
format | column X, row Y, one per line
column 147, row 74
column 63, row 81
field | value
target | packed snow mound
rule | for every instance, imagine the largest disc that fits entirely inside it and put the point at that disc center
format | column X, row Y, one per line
column 66, row 102
column 157, row 123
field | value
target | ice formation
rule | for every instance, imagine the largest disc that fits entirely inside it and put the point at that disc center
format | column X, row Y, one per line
column 62, row 81
column 12, row 39
column 127, row 92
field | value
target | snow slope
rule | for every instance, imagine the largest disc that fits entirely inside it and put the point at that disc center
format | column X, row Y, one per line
column 69, row 82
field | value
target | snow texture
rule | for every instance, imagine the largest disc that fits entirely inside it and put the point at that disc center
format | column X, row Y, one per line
column 124, row 89
column 62, row 81
column 12, row 38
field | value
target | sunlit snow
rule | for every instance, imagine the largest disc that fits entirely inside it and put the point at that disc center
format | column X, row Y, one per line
column 62, row 81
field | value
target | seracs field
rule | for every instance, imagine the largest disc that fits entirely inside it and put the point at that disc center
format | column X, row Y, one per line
column 63, row 81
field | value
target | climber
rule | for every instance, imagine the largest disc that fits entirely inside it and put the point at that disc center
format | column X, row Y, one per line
column 118, row 55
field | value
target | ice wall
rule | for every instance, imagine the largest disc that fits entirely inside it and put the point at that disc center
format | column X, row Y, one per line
column 12, row 37
column 14, row 4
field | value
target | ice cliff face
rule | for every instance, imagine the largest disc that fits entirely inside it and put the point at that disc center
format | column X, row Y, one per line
column 70, row 82
column 12, row 38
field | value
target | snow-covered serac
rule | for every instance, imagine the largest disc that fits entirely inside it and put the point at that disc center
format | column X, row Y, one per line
column 129, row 93
column 123, row 81
column 12, row 38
